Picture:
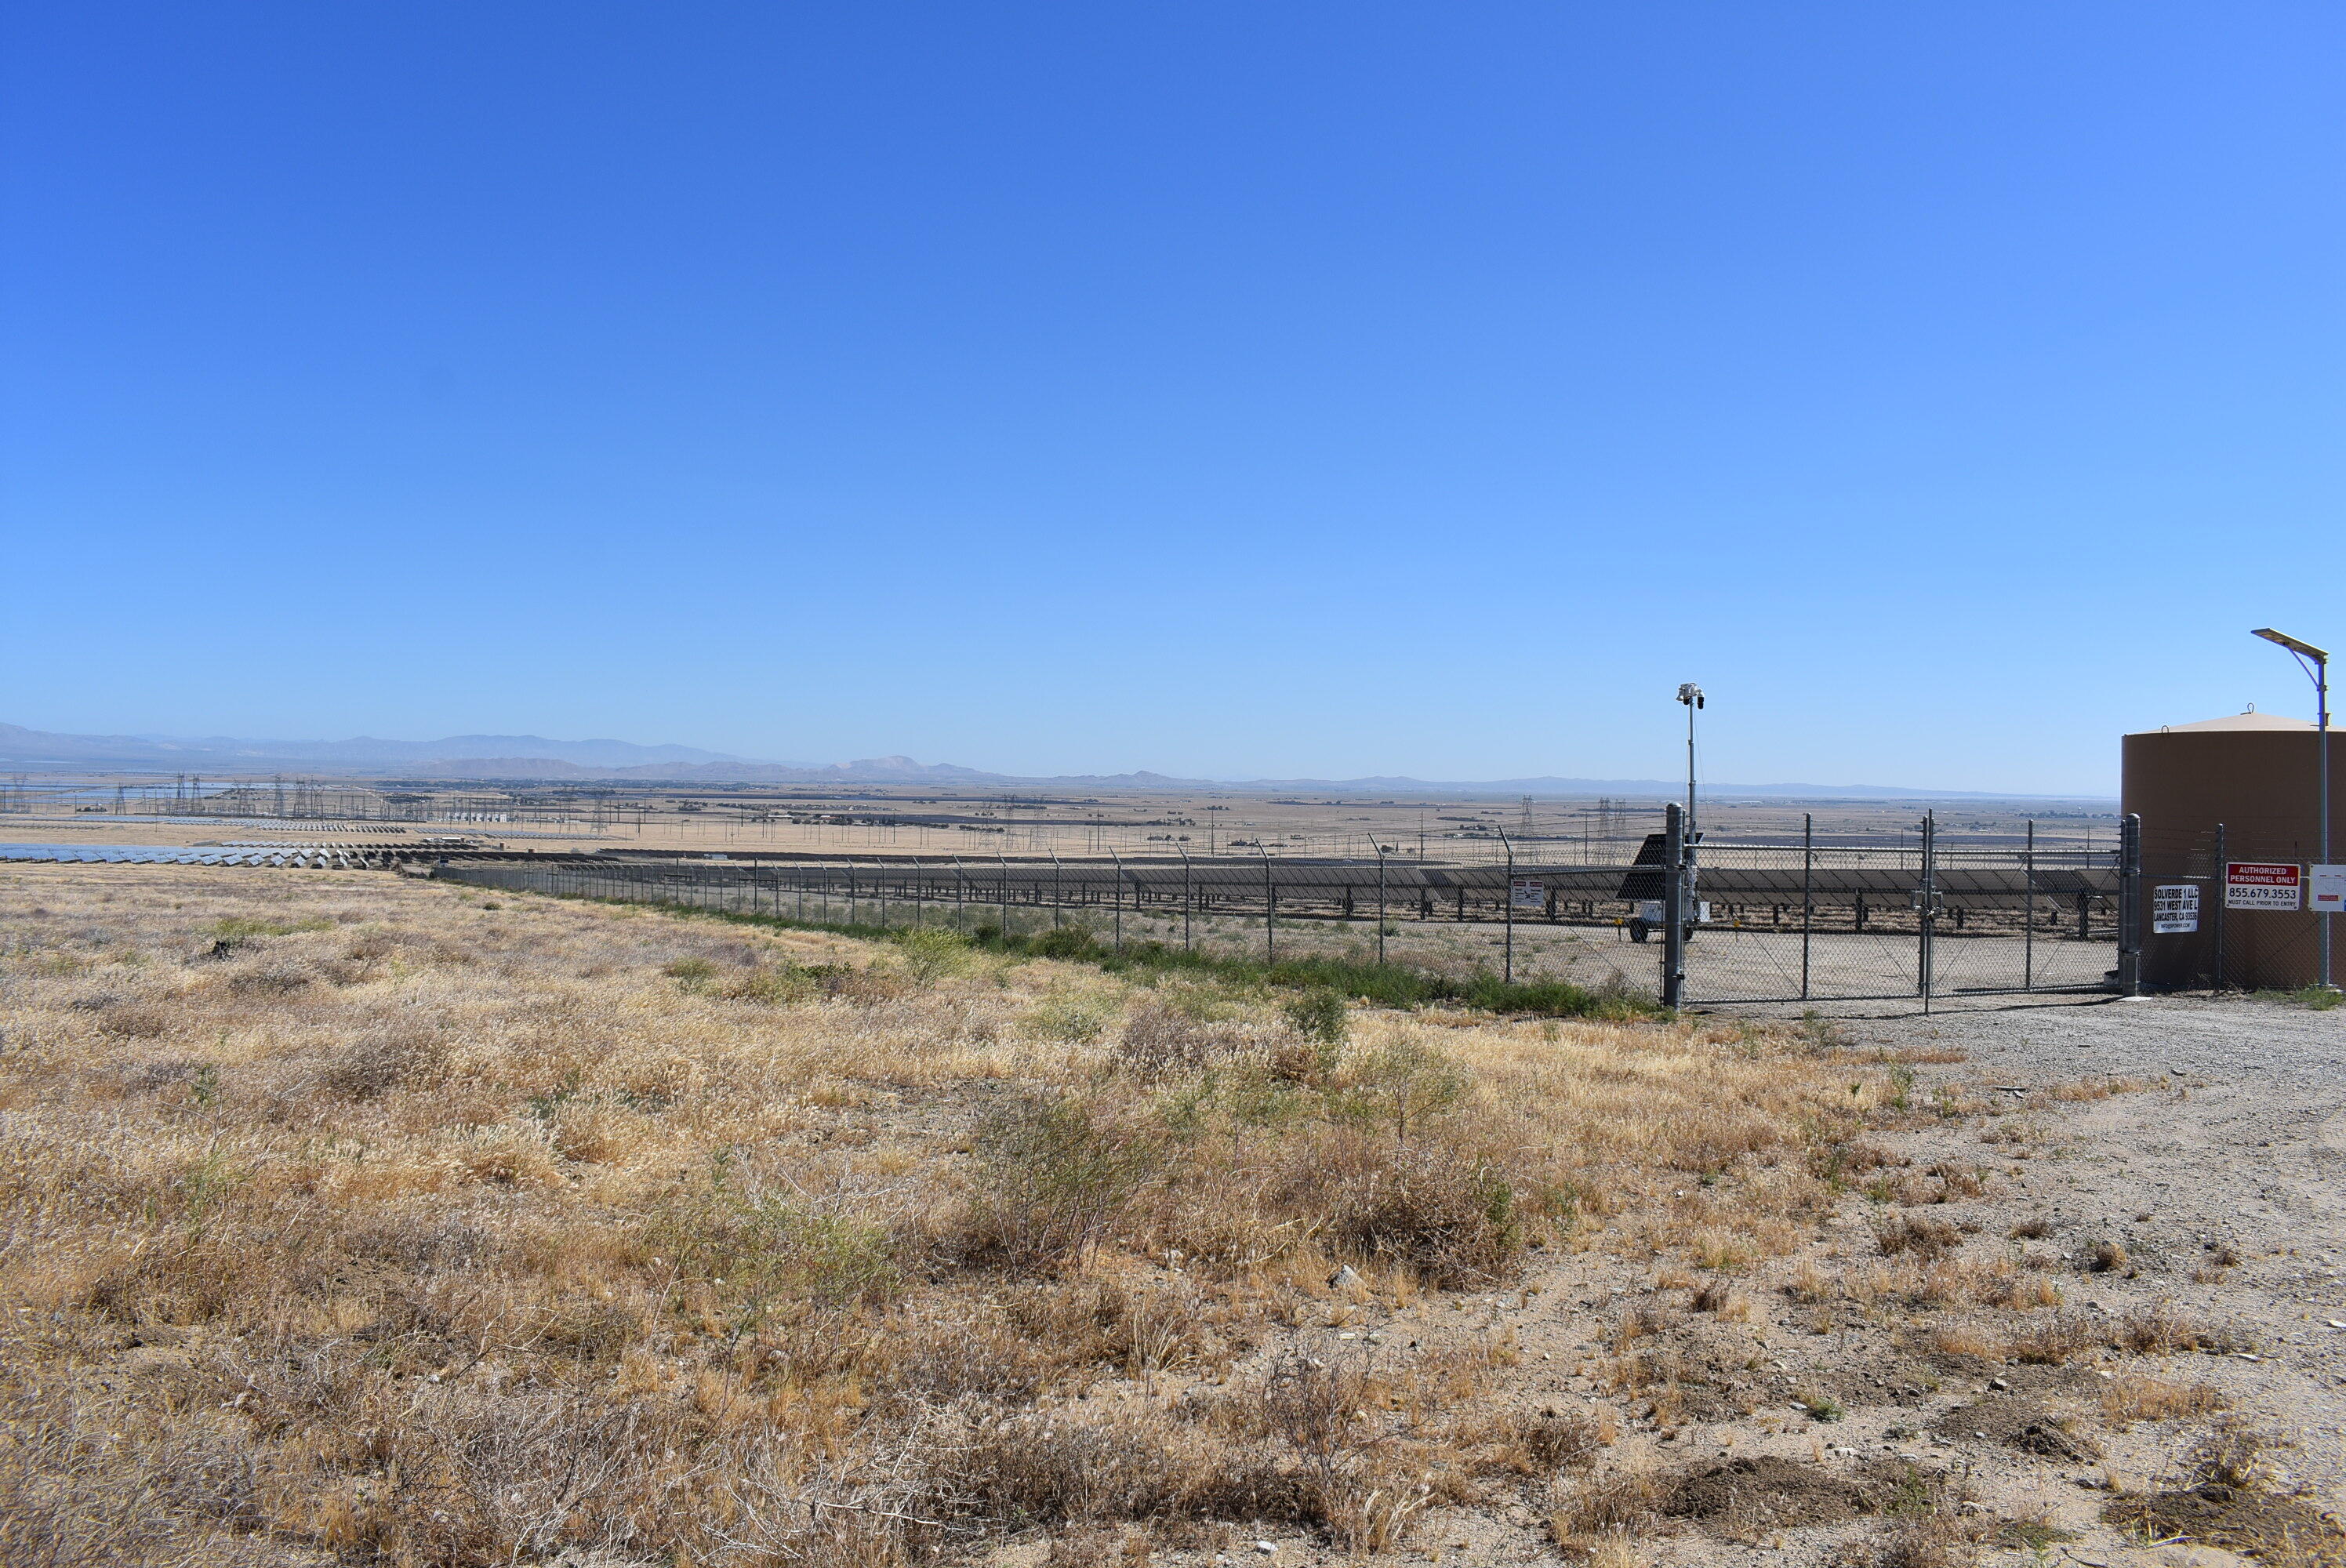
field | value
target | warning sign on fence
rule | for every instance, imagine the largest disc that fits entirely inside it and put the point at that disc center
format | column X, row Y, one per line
column 2263, row 885
column 1525, row 894
column 2328, row 884
column 2175, row 909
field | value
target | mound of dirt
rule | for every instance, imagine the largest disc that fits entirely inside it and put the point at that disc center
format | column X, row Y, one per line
column 2286, row 1531
column 2020, row 1423
column 1766, row 1490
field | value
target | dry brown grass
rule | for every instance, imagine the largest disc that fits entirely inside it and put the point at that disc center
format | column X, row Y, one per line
column 357, row 1216
column 2132, row 1397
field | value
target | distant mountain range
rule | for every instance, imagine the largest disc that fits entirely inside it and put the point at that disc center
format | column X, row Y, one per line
column 532, row 757
column 20, row 747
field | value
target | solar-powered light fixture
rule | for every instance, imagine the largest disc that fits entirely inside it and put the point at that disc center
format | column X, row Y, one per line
column 2315, row 662
column 1691, row 696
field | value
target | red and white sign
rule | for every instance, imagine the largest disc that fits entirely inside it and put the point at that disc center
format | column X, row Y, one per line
column 2263, row 885
column 2327, row 885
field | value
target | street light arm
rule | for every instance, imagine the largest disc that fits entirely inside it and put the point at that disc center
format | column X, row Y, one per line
column 2294, row 645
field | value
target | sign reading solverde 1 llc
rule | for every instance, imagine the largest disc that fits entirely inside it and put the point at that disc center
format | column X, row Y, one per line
column 2174, row 908
column 2263, row 885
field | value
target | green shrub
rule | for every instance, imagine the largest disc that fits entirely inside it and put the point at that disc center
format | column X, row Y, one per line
column 778, row 984
column 1400, row 1083
column 931, row 954
column 1064, row 942
column 690, row 973
column 1319, row 1014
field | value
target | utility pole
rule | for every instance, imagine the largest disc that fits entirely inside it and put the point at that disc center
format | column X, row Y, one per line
column 1691, row 696
column 2316, row 664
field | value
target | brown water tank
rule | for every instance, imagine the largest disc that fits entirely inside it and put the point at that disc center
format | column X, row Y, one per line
column 2254, row 775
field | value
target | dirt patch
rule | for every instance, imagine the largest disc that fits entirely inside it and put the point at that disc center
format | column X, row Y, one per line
column 1765, row 1491
column 2020, row 1423
column 2285, row 1531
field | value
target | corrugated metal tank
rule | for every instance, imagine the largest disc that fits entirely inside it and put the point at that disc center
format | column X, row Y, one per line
column 2255, row 774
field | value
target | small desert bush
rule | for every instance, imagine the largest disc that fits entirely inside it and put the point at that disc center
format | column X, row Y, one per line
column 930, row 954
column 1070, row 1019
column 1161, row 1039
column 1319, row 1015
column 1451, row 1216
column 1925, row 1239
column 1054, row 1172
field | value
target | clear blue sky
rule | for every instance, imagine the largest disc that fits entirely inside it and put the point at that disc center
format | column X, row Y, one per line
column 1236, row 389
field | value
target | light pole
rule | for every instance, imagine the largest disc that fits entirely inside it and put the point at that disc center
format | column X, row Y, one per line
column 1690, row 695
column 2315, row 662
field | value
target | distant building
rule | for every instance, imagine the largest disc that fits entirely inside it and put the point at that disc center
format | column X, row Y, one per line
column 2238, row 790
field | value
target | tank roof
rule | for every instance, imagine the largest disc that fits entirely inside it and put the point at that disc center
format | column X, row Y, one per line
column 2233, row 721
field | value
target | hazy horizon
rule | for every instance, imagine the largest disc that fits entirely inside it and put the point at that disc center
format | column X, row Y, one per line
column 516, row 747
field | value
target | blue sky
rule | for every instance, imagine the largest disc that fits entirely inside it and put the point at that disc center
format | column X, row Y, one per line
column 1226, row 390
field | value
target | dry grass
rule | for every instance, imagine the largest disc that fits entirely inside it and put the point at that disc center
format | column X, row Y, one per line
column 356, row 1216
column 2132, row 1397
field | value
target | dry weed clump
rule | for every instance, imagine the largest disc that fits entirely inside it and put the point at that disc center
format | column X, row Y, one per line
column 2132, row 1397
column 346, row 1216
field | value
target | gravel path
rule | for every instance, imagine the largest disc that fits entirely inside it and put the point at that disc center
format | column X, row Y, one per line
column 2241, row 1154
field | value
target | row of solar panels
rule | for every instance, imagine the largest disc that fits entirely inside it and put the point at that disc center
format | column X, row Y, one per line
column 312, row 856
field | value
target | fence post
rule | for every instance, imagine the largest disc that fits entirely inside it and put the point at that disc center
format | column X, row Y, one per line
column 1269, row 908
column 880, row 875
column 1119, row 892
column 961, row 898
column 1508, row 975
column 1808, row 892
column 2217, row 886
column 2130, row 904
column 1380, row 902
column 1188, row 896
column 1003, row 887
column 1674, row 910
column 2028, row 911
column 1926, row 902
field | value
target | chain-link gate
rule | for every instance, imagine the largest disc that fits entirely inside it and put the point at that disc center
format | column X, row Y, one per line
column 1926, row 919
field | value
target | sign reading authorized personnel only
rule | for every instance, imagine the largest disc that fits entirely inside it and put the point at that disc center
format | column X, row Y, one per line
column 2175, row 909
column 2263, row 885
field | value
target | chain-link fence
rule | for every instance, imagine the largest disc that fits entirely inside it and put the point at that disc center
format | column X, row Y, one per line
column 2194, row 937
column 1814, row 916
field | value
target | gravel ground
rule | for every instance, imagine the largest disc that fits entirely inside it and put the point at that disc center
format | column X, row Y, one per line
column 2214, row 1166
